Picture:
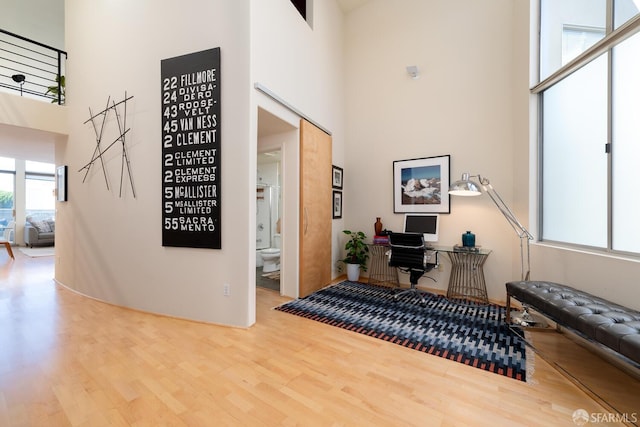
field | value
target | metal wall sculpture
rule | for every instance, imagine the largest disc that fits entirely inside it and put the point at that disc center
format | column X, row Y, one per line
column 98, row 121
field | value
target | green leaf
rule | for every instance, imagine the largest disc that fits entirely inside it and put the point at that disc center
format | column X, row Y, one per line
column 357, row 251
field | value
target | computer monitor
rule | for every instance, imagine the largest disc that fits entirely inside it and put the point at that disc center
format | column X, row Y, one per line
column 427, row 224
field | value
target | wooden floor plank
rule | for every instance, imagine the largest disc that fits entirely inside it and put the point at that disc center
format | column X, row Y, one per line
column 66, row 360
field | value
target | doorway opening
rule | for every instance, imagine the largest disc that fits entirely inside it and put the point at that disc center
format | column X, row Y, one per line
column 32, row 185
column 268, row 220
column 277, row 201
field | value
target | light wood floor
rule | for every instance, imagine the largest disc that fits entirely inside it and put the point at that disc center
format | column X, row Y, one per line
column 66, row 360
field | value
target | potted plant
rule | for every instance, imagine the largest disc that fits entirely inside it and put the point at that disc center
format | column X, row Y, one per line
column 357, row 254
column 53, row 90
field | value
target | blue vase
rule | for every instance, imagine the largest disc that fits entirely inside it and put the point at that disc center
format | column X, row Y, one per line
column 469, row 239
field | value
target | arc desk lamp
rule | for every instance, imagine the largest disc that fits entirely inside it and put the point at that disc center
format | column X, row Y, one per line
column 467, row 187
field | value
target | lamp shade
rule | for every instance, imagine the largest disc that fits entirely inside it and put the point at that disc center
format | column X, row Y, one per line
column 464, row 187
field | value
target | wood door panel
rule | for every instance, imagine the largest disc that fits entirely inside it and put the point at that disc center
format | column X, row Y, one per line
column 315, row 208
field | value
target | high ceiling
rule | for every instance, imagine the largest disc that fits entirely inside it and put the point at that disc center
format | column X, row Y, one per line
column 269, row 124
column 14, row 146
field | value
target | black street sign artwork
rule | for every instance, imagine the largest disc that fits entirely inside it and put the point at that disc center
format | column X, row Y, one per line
column 191, row 150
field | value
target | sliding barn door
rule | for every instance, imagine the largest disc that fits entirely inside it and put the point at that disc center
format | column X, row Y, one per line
column 315, row 208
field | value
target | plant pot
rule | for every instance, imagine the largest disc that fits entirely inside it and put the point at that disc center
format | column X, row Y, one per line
column 353, row 272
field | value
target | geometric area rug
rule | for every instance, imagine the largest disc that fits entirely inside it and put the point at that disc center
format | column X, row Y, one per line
column 465, row 332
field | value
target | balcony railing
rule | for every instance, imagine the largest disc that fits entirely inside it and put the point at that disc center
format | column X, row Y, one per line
column 31, row 68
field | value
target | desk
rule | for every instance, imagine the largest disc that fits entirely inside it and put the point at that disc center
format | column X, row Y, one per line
column 467, row 275
column 380, row 273
column 465, row 282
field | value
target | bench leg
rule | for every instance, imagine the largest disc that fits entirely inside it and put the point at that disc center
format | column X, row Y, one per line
column 508, row 308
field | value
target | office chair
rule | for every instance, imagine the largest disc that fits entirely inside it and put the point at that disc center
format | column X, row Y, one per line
column 408, row 254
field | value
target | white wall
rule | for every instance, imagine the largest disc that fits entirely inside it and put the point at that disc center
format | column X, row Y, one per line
column 18, row 113
column 39, row 20
column 309, row 75
column 466, row 103
column 611, row 277
column 109, row 247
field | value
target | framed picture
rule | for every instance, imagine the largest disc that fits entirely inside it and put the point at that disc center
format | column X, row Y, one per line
column 337, row 204
column 61, row 183
column 421, row 185
column 337, row 177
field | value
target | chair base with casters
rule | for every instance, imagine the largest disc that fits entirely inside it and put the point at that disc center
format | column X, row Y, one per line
column 409, row 254
column 414, row 276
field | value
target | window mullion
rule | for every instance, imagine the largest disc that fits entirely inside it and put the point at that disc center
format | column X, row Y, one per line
column 610, row 6
column 609, row 151
column 615, row 37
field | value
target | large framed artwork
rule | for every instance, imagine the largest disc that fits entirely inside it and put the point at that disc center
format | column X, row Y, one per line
column 191, row 143
column 421, row 185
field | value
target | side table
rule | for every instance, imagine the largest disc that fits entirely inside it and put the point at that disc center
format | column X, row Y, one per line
column 380, row 273
column 467, row 275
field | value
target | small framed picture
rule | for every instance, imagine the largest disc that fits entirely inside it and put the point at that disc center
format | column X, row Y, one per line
column 337, row 204
column 421, row 185
column 337, row 177
column 61, row 183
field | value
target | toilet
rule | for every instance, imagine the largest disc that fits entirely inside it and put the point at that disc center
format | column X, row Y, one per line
column 271, row 256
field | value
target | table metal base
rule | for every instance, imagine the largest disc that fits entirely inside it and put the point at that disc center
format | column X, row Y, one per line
column 380, row 273
column 467, row 277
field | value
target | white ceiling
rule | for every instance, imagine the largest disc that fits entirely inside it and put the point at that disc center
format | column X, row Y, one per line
column 348, row 5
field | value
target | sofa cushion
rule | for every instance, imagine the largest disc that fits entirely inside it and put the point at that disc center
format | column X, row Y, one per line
column 41, row 226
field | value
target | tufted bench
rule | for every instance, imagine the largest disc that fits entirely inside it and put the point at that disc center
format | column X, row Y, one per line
column 596, row 319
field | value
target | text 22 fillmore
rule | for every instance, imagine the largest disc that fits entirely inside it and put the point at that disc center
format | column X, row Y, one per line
column 191, row 150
